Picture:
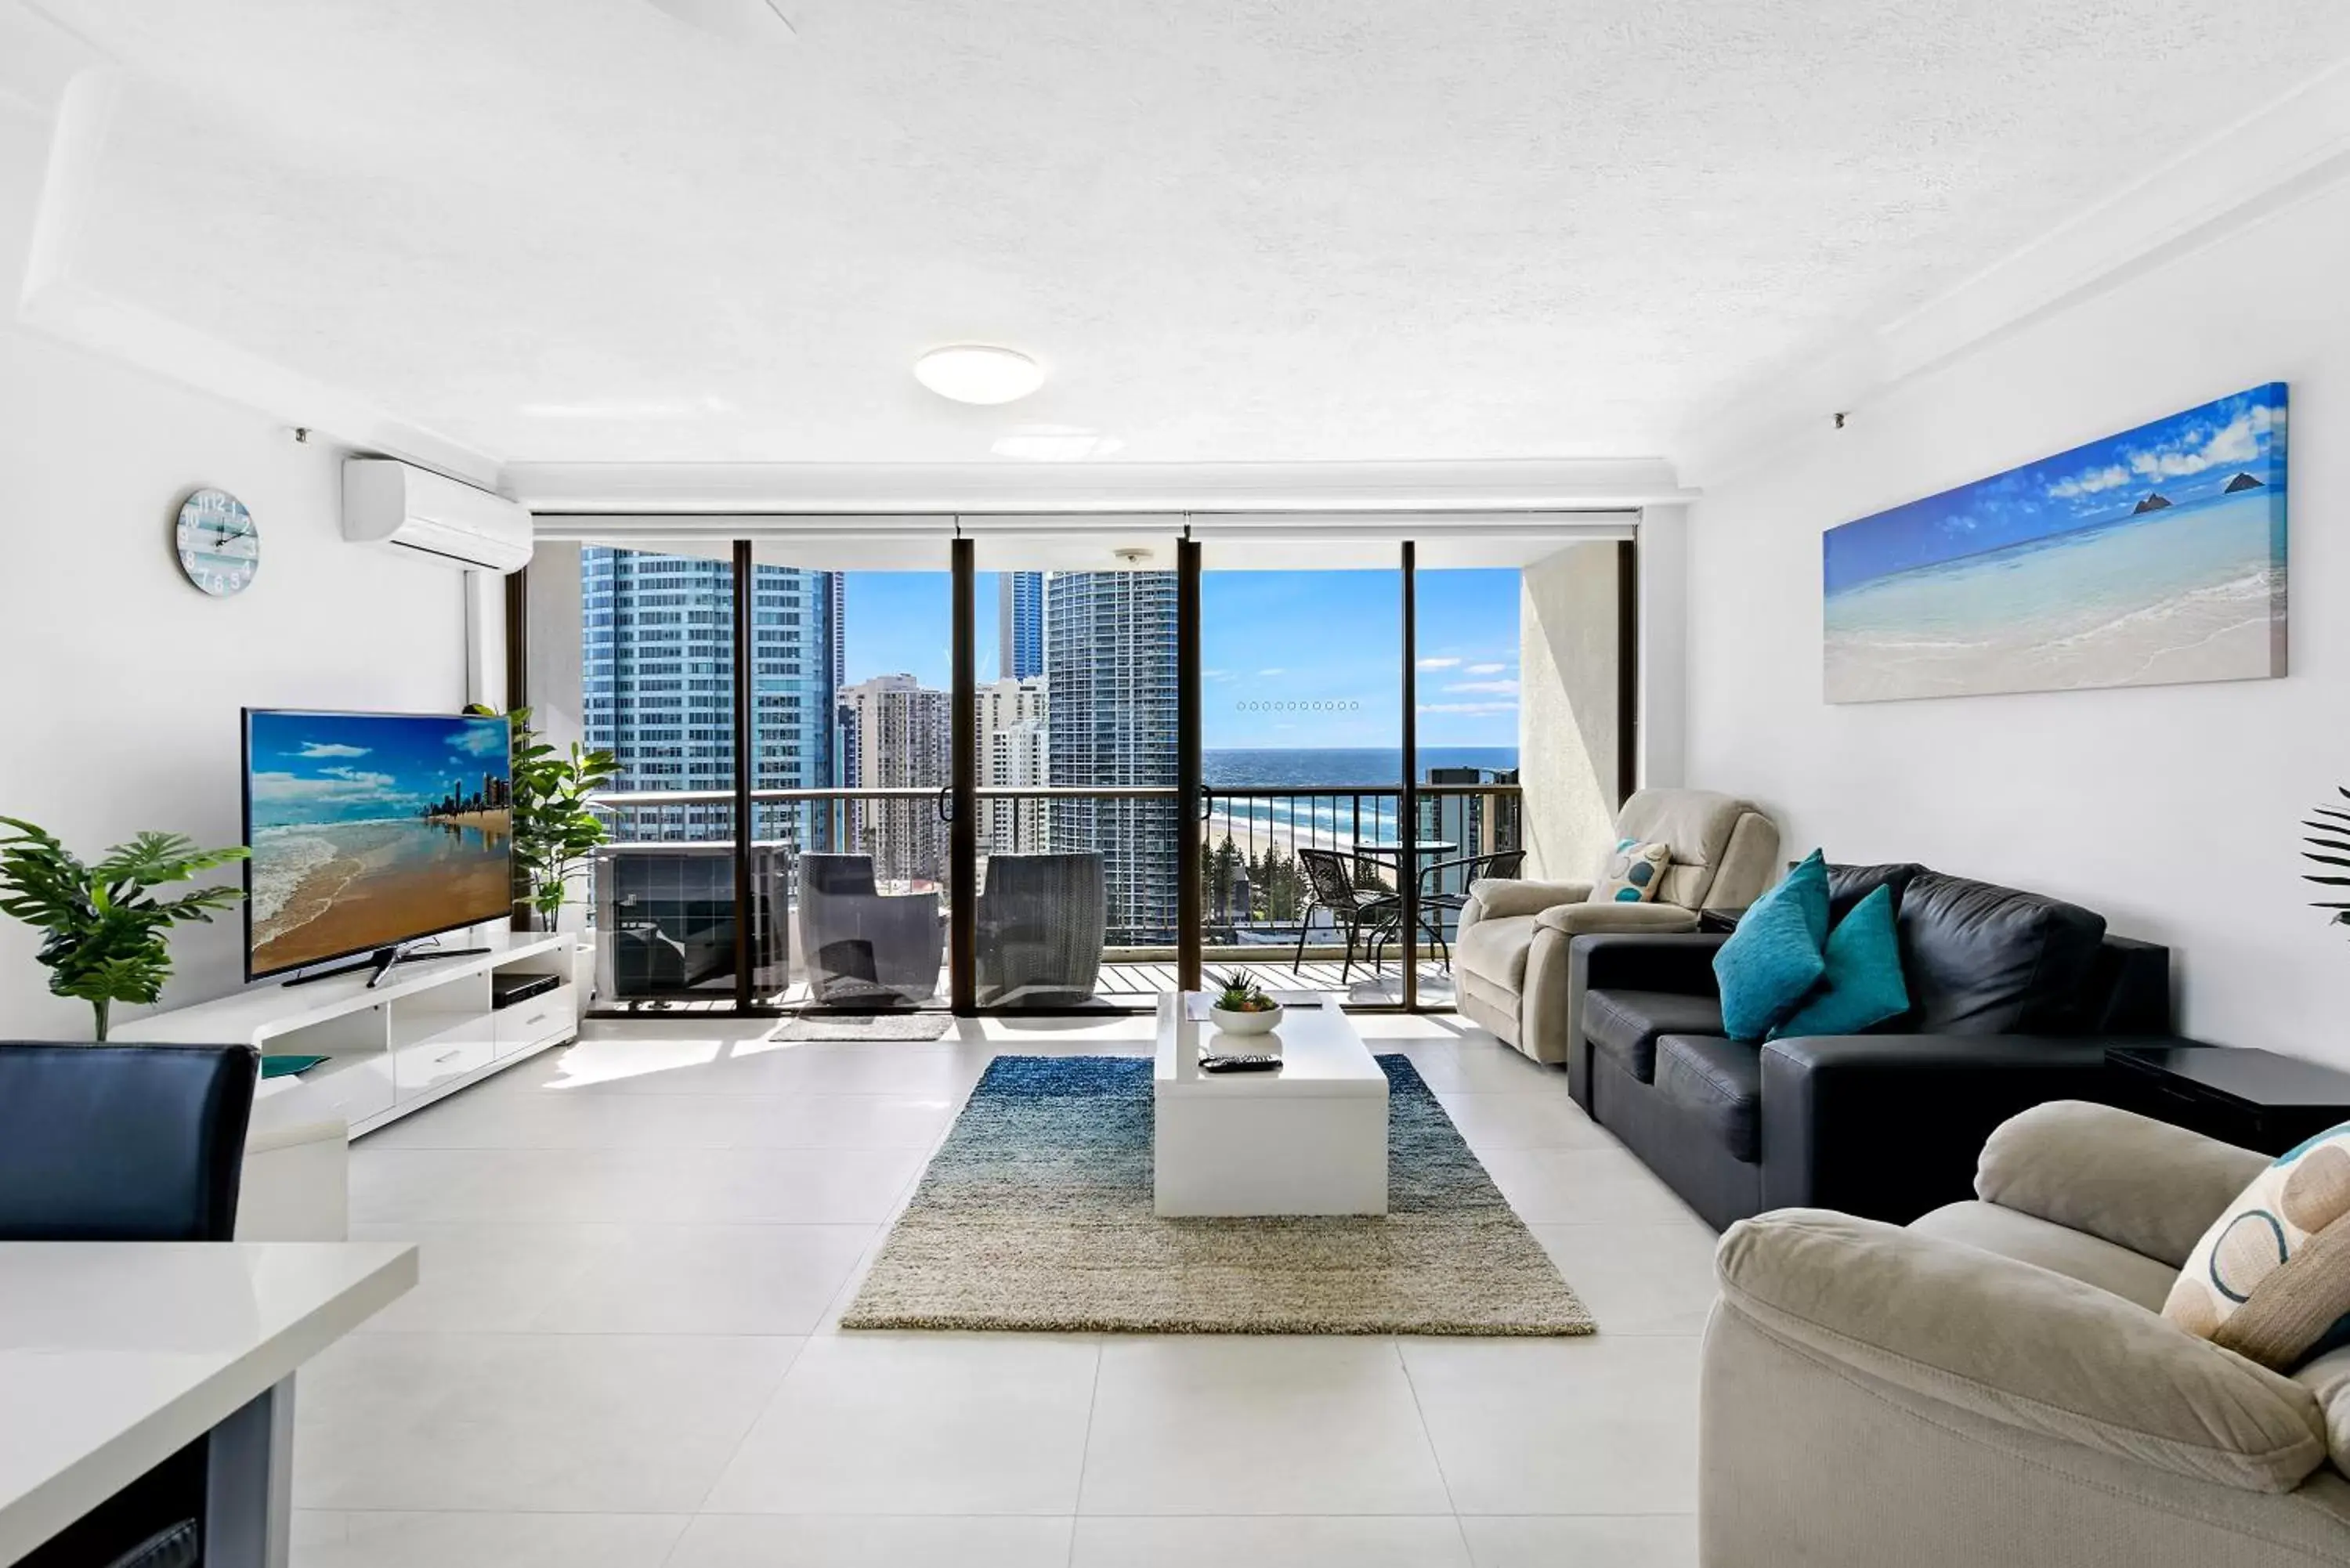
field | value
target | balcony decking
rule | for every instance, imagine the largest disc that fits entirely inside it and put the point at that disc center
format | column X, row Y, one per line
column 1135, row 983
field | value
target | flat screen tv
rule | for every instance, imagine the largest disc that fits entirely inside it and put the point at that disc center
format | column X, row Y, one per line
column 368, row 830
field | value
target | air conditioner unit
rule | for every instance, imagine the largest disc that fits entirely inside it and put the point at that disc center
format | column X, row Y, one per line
column 387, row 501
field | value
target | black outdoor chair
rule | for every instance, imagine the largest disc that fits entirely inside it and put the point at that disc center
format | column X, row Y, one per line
column 1360, row 912
column 1435, row 906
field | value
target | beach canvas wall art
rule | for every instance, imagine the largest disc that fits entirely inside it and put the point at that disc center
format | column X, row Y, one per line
column 367, row 829
column 2149, row 557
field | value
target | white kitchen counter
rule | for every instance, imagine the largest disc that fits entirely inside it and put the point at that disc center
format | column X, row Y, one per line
column 115, row 1355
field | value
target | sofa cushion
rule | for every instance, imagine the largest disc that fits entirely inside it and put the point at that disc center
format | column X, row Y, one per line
column 1495, row 950
column 1863, row 985
column 2029, row 1239
column 2270, row 1279
column 1631, row 873
column 1695, row 823
column 1984, row 960
column 1626, row 1024
column 1773, row 957
column 1848, row 885
column 1718, row 1083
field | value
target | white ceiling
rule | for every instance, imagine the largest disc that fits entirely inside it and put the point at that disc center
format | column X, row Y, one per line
column 1286, row 231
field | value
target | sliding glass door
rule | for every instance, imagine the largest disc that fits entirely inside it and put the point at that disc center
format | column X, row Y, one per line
column 1068, row 763
column 1075, row 762
column 1302, row 733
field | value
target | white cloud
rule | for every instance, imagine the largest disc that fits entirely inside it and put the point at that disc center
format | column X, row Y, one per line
column 1438, row 663
column 2233, row 444
column 1276, row 670
column 1485, row 670
column 1477, row 708
column 2091, row 482
column 480, row 741
column 340, row 786
column 312, row 750
column 1502, row 687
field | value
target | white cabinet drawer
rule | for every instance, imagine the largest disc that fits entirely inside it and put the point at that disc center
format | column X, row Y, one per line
column 536, row 1019
column 353, row 1090
column 428, row 1063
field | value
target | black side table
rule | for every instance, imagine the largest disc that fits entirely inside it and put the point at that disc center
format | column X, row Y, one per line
column 2254, row 1099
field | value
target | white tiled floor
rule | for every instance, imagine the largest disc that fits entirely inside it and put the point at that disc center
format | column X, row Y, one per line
column 623, row 1352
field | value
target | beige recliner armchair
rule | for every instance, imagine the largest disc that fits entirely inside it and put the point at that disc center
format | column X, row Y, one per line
column 1995, row 1383
column 1509, row 961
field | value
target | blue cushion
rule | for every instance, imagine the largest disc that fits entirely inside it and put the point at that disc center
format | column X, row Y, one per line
column 1863, row 985
column 1773, row 957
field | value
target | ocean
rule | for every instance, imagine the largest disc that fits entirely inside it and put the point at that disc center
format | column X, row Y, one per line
column 1319, row 767
column 1328, row 820
column 2195, row 592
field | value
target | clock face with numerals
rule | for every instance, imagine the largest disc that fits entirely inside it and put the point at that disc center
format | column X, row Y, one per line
column 219, row 549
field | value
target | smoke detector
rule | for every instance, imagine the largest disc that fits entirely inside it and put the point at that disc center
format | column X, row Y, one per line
column 752, row 22
column 1132, row 554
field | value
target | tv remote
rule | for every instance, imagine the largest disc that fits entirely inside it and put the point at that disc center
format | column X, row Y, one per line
column 1254, row 1064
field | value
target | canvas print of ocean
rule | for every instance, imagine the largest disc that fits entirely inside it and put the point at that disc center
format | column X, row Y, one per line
column 367, row 829
column 2153, row 557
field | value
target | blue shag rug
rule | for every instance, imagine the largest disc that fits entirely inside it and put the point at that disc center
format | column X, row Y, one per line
column 1036, row 1214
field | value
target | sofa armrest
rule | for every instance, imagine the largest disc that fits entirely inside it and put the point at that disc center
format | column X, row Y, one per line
column 1597, row 918
column 2125, row 1179
column 1498, row 897
column 1890, row 1126
column 2020, row 1346
column 1678, row 962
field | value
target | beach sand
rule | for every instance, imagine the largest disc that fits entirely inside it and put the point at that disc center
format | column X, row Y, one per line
column 356, row 886
column 2194, row 594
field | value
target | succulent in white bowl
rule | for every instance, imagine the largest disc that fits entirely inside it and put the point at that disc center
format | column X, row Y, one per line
column 1240, row 1006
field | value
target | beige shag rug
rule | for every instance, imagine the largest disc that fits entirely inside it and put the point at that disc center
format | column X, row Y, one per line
column 1036, row 1215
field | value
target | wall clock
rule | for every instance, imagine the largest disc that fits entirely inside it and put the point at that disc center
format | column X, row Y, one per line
column 219, row 549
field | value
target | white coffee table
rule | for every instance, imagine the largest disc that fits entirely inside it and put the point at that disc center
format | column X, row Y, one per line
column 1309, row 1139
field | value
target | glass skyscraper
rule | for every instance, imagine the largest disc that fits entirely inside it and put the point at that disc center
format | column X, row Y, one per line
column 657, row 680
column 1020, row 623
column 1109, row 678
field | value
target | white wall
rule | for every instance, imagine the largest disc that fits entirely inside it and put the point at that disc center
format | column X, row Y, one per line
column 2171, row 810
column 123, row 682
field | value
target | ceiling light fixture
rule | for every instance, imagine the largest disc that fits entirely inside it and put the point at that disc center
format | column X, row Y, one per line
column 977, row 373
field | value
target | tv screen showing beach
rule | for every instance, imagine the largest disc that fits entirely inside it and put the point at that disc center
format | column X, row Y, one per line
column 370, row 830
column 2149, row 557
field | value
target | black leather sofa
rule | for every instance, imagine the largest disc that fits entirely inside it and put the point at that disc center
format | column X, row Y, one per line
column 2013, row 999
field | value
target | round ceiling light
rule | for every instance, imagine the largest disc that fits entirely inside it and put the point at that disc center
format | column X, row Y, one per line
column 976, row 373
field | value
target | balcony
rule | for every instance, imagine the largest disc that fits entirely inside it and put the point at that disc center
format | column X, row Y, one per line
column 1091, row 921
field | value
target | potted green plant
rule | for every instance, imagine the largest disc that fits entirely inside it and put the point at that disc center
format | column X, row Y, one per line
column 554, row 832
column 1240, row 1006
column 106, row 939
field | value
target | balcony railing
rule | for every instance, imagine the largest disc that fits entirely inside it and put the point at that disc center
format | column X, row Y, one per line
column 1256, row 899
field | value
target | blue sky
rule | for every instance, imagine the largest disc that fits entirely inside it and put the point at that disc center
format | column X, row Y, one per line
column 2186, row 457
column 328, row 767
column 1289, row 659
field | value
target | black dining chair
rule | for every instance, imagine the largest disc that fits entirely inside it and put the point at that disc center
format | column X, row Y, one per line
column 126, row 1143
column 1357, row 911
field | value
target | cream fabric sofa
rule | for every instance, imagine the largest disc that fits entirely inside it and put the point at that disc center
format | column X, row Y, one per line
column 1996, row 1383
column 1508, row 961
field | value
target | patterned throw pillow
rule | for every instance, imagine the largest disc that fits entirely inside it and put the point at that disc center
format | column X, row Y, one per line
column 1632, row 873
column 2270, row 1279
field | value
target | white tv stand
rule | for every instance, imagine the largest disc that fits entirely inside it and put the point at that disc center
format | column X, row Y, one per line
column 426, row 1032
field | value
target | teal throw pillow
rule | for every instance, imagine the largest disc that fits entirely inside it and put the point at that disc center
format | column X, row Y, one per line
column 1863, row 986
column 1773, row 958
